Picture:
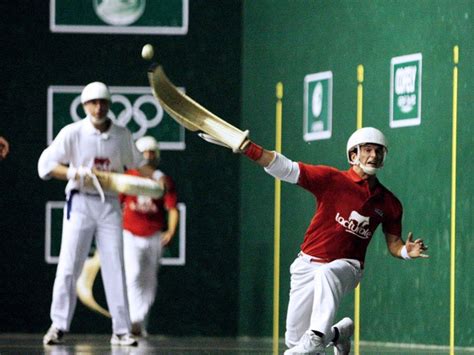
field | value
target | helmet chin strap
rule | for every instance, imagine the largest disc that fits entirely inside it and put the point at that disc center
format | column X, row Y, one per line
column 98, row 121
column 369, row 170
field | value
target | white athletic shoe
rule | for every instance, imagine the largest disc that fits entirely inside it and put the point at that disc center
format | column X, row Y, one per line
column 53, row 336
column 309, row 344
column 123, row 340
column 346, row 329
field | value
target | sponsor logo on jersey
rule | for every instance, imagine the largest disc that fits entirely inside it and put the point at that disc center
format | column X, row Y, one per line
column 144, row 204
column 356, row 224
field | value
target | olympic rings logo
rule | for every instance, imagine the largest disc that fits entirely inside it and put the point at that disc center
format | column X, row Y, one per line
column 128, row 112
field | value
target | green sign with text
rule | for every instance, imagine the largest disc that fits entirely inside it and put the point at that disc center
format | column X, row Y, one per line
column 405, row 90
column 317, row 106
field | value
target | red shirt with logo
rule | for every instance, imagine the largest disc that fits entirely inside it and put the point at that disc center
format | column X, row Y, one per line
column 347, row 212
column 142, row 215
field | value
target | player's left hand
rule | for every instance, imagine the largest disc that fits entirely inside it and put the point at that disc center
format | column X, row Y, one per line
column 417, row 248
column 166, row 238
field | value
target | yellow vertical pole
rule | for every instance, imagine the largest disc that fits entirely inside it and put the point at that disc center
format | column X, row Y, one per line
column 453, row 202
column 277, row 223
column 360, row 95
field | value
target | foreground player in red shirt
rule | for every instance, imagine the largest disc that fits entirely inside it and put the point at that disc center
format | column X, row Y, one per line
column 350, row 206
column 149, row 225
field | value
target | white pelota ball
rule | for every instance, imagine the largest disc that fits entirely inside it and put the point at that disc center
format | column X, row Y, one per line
column 147, row 52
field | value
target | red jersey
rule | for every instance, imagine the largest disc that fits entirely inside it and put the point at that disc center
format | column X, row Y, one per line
column 143, row 215
column 347, row 212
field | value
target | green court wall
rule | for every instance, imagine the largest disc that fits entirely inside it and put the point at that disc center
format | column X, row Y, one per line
column 283, row 41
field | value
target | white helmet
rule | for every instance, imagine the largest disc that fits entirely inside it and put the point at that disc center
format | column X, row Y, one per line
column 364, row 136
column 95, row 90
column 148, row 143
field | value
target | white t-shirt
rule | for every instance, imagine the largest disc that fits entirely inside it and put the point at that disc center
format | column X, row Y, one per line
column 81, row 144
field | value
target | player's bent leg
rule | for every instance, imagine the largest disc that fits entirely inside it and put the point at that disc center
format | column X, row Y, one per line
column 331, row 283
column 300, row 302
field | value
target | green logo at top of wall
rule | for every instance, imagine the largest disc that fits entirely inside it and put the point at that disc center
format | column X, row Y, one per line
column 118, row 16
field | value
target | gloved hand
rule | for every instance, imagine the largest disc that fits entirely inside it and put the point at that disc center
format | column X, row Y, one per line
column 210, row 139
column 86, row 177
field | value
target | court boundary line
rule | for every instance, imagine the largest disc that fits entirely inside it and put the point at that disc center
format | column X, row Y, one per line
column 413, row 346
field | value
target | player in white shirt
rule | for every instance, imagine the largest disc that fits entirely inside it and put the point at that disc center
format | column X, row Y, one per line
column 92, row 143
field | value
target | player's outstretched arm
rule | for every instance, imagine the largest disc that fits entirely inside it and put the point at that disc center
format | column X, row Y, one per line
column 410, row 249
column 275, row 164
column 258, row 154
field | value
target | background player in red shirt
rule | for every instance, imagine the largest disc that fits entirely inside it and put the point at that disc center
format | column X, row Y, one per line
column 350, row 206
column 149, row 225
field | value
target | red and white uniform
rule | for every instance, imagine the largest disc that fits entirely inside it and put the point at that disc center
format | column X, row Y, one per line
column 333, row 251
column 144, row 219
column 347, row 213
column 85, row 216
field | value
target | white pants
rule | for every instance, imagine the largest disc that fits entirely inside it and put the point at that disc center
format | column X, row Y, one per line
column 316, row 290
column 90, row 217
column 142, row 259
